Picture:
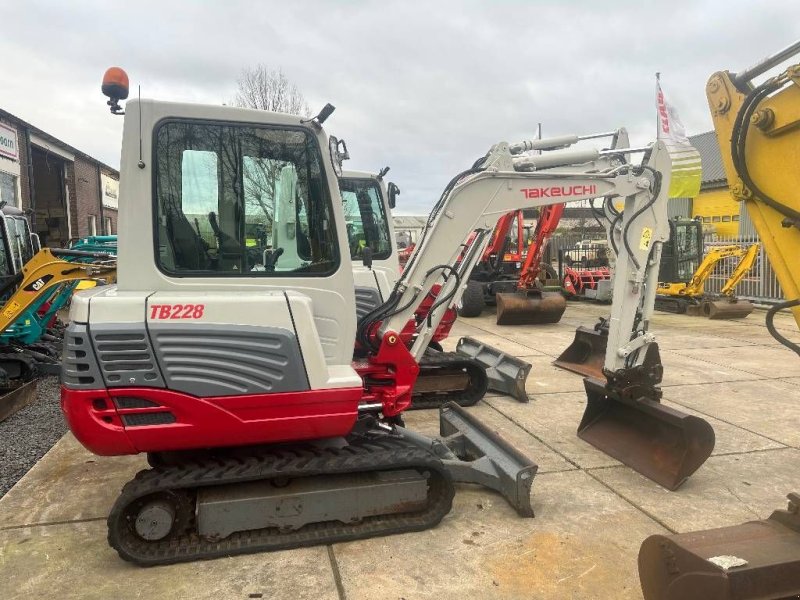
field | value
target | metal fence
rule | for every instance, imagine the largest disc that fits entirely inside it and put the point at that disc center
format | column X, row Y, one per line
column 760, row 285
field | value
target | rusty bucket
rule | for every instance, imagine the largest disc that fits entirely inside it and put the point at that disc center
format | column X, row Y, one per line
column 586, row 354
column 532, row 307
column 759, row 559
column 661, row 443
column 726, row 309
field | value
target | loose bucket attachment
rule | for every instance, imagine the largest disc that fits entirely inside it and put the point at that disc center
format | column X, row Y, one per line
column 726, row 309
column 531, row 307
column 755, row 560
column 485, row 458
column 507, row 374
column 657, row 441
column 16, row 399
column 586, row 354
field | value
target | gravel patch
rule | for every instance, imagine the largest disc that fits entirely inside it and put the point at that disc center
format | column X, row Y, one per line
column 28, row 434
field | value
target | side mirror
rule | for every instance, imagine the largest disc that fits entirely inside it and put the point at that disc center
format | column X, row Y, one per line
column 393, row 192
column 36, row 242
column 366, row 256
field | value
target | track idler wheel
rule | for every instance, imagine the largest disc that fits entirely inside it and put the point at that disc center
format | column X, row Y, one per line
column 586, row 354
column 530, row 307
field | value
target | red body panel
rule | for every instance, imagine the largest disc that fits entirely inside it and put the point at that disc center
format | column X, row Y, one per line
column 207, row 422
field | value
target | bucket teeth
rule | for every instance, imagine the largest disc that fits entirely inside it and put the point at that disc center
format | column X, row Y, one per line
column 530, row 307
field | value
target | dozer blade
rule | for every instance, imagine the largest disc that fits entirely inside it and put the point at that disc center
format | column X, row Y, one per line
column 530, row 307
column 727, row 309
column 16, row 399
column 756, row 560
column 507, row 374
column 486, row 458
column 657, row 441
column 586, row 354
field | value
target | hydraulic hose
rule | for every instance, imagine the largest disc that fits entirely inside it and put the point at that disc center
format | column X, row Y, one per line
column 771, row 325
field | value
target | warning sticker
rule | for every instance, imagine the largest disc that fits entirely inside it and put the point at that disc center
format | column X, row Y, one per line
column 11, row 310
column 647, row 236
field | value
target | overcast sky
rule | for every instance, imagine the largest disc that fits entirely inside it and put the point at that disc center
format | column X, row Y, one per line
column 425, row 87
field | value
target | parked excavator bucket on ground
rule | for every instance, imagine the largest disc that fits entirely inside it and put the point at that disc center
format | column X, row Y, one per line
column 726, row 309
column 586, row 354
column 627, row 421
column 755, row 560
column 530, row 307
column 506, row 373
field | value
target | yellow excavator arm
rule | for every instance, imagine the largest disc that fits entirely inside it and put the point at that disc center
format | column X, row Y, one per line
column 758, row 129
column 696, row 286
column 43, row 273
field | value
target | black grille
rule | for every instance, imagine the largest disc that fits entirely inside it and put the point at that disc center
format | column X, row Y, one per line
column 137, row 420
column 134, row 403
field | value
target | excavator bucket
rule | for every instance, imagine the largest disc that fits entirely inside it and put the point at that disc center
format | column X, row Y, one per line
column 755, row 560
column 657, row 441
column 506, row 373
column 586, row 354
column 726, row 309
column 530, row 307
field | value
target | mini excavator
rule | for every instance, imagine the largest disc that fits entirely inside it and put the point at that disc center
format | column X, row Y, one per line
column 232, row 366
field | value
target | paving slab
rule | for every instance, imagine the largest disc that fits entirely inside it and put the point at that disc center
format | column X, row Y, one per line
column 73, row 561
column 691, row 366
column 772, row 361
column 68, row 484
column 726, row 490
column 768, row 407
column 545, row 378
column 427, row 422
column 681, row 340
column 483, row 550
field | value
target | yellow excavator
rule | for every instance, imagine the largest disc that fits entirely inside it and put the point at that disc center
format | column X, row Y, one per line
column 684, row 272
column 758, row 128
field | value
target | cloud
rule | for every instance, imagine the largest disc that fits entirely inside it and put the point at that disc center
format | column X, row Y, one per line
column 425, row 87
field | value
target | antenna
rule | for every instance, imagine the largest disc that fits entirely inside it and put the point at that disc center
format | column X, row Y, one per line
column 141, row 161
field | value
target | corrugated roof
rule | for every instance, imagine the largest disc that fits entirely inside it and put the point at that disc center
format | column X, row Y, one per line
column 711, row 158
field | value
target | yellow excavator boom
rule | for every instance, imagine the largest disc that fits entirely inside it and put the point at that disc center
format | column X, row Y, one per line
column 742, row 268
column 696, row 286
column 42, row 274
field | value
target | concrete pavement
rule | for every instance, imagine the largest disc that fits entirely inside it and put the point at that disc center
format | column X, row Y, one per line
column 592, row 513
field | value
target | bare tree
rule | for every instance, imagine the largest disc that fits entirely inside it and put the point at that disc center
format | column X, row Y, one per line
column 269, row 89
column 263, row 88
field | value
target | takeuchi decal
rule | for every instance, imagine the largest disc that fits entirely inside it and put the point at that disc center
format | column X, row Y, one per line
column 559, row 192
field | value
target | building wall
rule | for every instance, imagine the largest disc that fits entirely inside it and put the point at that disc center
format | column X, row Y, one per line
column 718, row 210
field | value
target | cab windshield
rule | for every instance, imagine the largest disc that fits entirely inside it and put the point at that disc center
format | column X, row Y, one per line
column 367, row 225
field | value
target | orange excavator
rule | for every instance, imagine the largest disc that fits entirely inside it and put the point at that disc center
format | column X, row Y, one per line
column 511, row 280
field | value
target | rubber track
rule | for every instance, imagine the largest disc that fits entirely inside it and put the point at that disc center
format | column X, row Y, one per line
column 383, row 454
column 439, row 363
column 671, row 304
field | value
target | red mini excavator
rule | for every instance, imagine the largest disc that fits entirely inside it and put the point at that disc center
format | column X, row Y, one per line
column 511, row 279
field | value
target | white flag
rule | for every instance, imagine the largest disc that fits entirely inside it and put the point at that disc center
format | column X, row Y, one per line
column 686, row 167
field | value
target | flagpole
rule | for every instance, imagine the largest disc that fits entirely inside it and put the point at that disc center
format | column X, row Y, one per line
column 658, row 87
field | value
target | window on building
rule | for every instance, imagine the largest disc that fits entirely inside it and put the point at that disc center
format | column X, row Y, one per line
column 8, row 188
column 92, row 225
column 726, row 218
column 108, row 226
column 706, row 219
column 715, row 219
column 241, row 200
column 735, row 217
column 367, row 225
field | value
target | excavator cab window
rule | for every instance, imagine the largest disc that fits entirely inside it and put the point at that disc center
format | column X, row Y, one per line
column 241, row 200
column 682, row 254
column 366, row 218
